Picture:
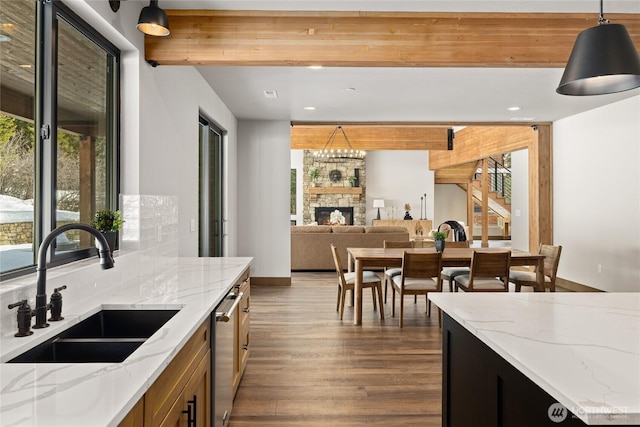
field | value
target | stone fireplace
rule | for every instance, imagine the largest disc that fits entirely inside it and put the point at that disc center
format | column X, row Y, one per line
column 323, row 215
column 332, row 189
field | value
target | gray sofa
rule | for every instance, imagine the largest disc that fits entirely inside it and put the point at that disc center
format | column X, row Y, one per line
column 310, row 244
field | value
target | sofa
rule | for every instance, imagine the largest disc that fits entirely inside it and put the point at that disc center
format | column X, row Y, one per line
column 311, row 244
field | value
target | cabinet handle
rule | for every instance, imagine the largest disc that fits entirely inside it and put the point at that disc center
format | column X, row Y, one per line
column 191, row 412
column 246, row 310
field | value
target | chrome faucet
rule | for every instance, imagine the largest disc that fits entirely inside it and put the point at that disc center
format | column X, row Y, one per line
column 40, row 312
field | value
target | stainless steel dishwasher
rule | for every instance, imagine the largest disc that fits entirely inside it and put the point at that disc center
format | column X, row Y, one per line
column 224, row 324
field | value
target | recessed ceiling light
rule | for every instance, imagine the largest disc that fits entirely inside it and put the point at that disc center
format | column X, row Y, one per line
column 309, row 108
column 315, row 67
column 272, row 94
column 514, row 108
column 24, row 65
column 351, row 89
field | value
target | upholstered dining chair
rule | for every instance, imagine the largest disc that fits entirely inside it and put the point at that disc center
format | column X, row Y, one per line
column 528, row 278
column 420, row 275
column 389, row 273
column 347, row 281
column 450, row 273
column 489, row 273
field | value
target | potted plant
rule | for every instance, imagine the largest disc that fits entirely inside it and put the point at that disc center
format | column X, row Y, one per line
column 439, row 237
column 313, row 175
column 108, row 223
column 352, row 181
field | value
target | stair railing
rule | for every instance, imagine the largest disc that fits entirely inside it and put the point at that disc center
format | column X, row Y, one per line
column 499, row 178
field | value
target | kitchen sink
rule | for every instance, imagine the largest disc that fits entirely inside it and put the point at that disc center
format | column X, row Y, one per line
column 120, row 324
column 109, row 336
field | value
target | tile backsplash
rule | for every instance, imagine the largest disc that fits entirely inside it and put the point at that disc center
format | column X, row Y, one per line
column 148, row 246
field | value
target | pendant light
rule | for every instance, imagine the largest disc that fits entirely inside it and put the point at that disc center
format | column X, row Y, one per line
column 603, row 60
column 153, row 21
column 329, row 154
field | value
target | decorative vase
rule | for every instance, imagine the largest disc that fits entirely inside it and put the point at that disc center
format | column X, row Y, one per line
column 439, row 245
column 407, row 216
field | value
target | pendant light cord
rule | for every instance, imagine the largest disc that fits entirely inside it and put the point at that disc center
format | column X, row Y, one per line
column 601, row 19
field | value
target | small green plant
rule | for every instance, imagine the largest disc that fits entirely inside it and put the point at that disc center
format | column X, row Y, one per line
column 352, row 179
column 313, row 174
column 439, row 235
column 107, row 220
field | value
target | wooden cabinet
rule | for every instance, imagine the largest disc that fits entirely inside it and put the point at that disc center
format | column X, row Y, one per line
column 135, row 417
column 170, row 387
column 241, row 334
column 181, row 396
column 413, row 226
column 192, row 407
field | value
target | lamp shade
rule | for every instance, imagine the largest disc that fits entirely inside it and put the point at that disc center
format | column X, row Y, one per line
column 153, row 20
column 603, row 60
column 378, row 203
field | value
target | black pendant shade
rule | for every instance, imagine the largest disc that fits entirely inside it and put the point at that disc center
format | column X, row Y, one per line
column 153, row 20
column 603, row 60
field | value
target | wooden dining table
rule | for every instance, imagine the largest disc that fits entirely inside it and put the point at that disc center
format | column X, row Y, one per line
column 361, row 258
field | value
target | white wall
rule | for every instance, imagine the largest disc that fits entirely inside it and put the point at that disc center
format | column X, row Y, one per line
column 451, row 204
column 520, row 200
column 596, row 200
column 398, row 177
column 169, row 145
column 159, row 136
column 264, row 161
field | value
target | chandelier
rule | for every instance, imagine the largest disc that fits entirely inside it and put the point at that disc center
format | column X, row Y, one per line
column 328, row 154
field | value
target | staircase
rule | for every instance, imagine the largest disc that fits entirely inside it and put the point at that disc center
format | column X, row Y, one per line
column 499, row 188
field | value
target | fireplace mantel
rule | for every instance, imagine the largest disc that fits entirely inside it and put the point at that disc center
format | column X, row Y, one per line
column 355, row 192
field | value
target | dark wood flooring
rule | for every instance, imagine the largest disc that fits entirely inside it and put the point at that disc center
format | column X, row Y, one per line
column 308, row 368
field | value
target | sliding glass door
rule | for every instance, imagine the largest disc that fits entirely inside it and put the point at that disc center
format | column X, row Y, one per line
column 211, row 228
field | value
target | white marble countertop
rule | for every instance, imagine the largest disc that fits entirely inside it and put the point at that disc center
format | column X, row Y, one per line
column 101, row 394
column 581, row 348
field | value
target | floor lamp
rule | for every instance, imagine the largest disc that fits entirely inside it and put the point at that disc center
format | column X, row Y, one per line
column 378, row 203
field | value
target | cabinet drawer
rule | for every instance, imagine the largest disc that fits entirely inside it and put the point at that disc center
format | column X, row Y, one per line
column 161, row 396
column 196, row 398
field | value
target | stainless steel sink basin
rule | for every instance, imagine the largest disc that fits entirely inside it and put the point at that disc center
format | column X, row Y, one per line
column 108, row 336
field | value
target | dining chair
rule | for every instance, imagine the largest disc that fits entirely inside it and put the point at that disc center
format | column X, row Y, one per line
column 528, row 278
column 450, row 273
column 489, row 273
column 390, row 273
column 420, row 275
column 460, row 244
column 347, row 281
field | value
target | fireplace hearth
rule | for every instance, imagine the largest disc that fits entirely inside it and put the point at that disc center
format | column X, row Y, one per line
column 323, row 215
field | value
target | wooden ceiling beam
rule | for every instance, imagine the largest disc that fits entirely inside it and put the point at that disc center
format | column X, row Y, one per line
column 370, row 137
column 477, row 142
column 373, row 39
